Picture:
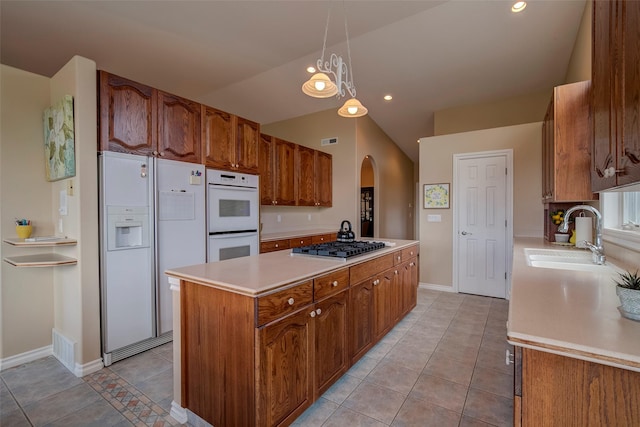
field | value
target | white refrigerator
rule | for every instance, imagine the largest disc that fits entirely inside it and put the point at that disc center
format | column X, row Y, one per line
column 152, row 219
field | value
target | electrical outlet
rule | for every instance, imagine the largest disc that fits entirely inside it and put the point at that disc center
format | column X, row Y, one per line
column 309, row 217
column 279, row 218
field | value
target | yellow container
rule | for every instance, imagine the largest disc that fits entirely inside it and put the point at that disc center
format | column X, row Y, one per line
column 23, row 231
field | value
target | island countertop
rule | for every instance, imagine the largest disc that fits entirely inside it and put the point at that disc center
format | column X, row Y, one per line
column 571, row 313
column 261, row 274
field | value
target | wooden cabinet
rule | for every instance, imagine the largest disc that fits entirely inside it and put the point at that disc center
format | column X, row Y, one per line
column 285, row 384
column 331, row 356
column 138, row 119
column 384, row 290
column 556, row 390
column 274, row 245
column 230, row 142
column 322, row 238
column 277, row 171
column 293, row 175
column 127, row 115
column 294, row 242
column 361, row 319
column 566, row 145
column 314, row 177
column 300, row 241
column 616, row 94
column 178, row 128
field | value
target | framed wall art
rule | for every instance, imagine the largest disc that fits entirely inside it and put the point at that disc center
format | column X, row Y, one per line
column 59, row 145
column 436, row 196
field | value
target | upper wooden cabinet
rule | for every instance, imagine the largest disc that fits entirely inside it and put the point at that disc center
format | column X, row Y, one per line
column 127, row 115
column 314, row 179
column 230, row 142
column 566, row 145
column 277, row 171
column 178, row 128
column 138, row 119
column 616, row 94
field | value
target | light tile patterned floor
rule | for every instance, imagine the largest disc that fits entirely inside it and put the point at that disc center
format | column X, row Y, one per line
column 443, row 365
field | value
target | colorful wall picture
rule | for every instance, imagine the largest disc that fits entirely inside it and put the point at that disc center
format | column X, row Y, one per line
column 436, row 196
column 59, row 145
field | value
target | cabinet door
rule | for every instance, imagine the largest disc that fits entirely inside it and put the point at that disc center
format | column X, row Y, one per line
column 330, row 341
column 306, row 176
column 396, row 277
column 409, row 285
column 382, row 286
column 324, row 179
column 630, row 90
column 179, row 132
column 284, row 173
column 285, row 369
column 247, row 140
column 265, row 150
column 217, row 139
column 361, row 322
column 127, row 115
column 547, row 154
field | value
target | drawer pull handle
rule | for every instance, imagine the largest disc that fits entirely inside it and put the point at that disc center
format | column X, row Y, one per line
column 318, row 311
column 312, row 314
column 290, row 301
column 335, row 283
column 376, row 282
column 411, row 264
column 277, row 245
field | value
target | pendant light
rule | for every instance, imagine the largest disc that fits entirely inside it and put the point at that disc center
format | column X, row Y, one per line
column 320, row 84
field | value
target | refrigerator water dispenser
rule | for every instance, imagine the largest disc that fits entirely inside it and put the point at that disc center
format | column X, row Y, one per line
column 127, row 227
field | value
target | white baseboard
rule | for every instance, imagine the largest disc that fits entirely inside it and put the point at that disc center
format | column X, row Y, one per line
column 178, row 412
column 26, row 357
column 435, row 287
column 88, row 368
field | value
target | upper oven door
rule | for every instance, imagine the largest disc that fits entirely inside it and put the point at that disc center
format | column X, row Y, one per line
column 232, row 209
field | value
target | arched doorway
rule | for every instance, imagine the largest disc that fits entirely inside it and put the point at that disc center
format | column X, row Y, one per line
column 367, row 186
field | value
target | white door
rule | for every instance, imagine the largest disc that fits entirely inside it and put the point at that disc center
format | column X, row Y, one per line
column 482, row 214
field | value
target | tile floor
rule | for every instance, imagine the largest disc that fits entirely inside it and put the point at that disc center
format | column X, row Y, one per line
column 443, row 365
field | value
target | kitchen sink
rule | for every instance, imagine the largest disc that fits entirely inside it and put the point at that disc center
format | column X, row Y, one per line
column 573, row 259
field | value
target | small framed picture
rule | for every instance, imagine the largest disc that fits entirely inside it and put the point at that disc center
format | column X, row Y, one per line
column 436, row 196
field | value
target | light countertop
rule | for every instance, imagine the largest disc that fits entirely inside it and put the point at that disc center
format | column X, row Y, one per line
column 260, row 274
column 571, row 313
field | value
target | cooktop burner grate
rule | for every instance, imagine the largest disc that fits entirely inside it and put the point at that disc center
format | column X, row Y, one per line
column 339, row 249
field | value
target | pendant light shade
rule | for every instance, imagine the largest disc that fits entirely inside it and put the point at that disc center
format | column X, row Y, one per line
column 319, row 86
column 352, row 108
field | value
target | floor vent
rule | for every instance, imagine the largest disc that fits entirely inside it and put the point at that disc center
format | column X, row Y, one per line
column 64, row 350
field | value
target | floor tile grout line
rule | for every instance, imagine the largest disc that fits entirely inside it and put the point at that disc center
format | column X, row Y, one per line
column 18, row 404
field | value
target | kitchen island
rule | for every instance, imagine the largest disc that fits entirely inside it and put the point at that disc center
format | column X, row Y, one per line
column 577, row 360
column 258, row 339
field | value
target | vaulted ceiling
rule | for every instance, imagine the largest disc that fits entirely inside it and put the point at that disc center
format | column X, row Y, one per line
column 249, row 57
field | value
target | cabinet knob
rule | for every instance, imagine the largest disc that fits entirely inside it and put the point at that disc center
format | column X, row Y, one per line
column 509, row 358
column 375, row 282
column 275, row 202
column 155, row 153
column 277, row 245
column 335, row 283
column 162, row 154
column 312, row 314
column 411, row 264
column 395, row 272
column 301, row 242
column 398, row 257
column 290, row 301
column 411, row 253
column 318, row 312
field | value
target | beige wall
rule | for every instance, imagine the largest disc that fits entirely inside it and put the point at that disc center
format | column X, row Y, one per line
column 35, row 300
column 27, row 293
column 436, row 160
column 505, row 112
column 356, row 138
column 580, row 63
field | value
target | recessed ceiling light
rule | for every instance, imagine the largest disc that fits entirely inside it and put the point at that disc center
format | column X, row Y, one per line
column 311, row 69
column 518, row 6
column 388, row 97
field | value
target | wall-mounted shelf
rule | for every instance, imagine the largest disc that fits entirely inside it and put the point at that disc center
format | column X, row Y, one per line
column 41, row 260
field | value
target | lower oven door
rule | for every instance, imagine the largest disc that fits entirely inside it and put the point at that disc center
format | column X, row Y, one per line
column 232, row 245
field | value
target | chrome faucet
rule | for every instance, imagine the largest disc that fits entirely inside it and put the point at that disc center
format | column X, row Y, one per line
column 597, row 250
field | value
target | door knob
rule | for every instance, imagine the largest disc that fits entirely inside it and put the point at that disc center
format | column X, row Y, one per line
column 464, row 233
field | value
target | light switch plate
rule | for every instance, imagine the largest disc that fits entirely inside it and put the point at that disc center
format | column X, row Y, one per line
column 434, row 218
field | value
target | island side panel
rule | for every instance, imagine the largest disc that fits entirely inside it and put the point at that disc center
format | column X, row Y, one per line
column 218, row 381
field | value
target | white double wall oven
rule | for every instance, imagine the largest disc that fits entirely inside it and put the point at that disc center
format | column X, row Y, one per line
column 232, row 215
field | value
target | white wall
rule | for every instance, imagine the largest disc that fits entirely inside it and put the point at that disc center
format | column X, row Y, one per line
column 436, row 166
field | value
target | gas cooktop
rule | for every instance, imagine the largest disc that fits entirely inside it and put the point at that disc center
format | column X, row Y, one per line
column 339, row 249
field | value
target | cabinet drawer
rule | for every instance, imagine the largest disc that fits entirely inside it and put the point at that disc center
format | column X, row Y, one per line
column 274, row 245
column 409, row 253
column 330, row 284
column 370, row 268
column 279, row 304
column 300, row 241
column 322, row 238
column 397, row 258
